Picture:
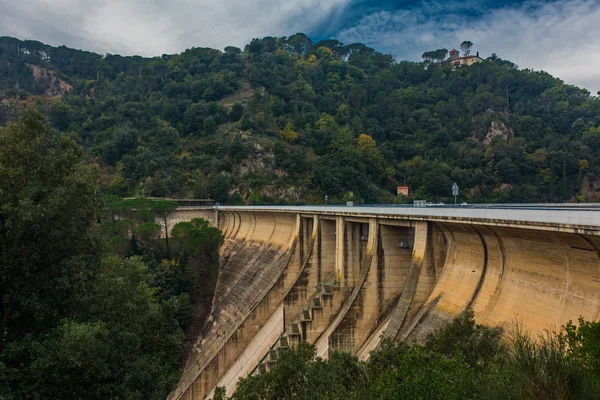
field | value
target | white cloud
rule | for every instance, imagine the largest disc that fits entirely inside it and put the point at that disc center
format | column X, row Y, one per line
column 155, row 27
column 561, row 37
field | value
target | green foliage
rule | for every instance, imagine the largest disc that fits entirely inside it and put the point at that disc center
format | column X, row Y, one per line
column 126, row 346
column 147, row 235
column 163, row 209
column 479, row 344
column 74, row 323
column 437, row 56
column 183, row 260
column 461, row 360
column 466, row 47
column 299, row 375
column 236, row 112
column 172, row 125
column 583, row 342
column 209, row 125
column 416, row 373
column 196, row 239
column 544, row 369
column 47, row 202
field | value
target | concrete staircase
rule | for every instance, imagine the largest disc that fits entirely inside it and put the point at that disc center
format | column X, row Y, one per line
column 299, row 330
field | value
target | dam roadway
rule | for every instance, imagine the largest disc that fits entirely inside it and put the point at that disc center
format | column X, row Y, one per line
column 343, row 278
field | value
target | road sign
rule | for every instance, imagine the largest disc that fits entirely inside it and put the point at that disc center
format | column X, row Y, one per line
column 454, row 191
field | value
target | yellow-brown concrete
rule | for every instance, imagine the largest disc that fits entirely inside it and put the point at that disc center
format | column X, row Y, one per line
column 258, row 261
column 343, row 281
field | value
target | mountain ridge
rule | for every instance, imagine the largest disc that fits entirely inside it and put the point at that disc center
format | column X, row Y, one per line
column 287, row 120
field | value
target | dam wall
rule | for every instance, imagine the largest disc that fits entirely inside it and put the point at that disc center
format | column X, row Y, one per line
column 344, row 278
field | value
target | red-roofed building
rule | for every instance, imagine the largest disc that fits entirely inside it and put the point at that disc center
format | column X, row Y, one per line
column 456, row 60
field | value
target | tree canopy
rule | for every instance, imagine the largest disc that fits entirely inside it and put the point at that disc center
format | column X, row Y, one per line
column 280, row 120
column 75, row 320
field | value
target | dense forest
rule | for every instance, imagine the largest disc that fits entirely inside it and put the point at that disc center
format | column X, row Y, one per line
column 94, row 304
column 286, row 120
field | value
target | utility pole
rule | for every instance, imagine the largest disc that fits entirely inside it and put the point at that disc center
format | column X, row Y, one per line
column 454, row 192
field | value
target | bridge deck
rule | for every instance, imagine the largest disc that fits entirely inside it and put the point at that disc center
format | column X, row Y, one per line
column 556, row 217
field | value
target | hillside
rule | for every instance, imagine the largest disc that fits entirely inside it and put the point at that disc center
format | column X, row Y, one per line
column 288, row 120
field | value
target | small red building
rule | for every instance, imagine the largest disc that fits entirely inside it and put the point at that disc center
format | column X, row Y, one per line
column 403, row 190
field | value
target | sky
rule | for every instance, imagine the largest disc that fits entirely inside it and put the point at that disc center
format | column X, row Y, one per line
column 561, row 37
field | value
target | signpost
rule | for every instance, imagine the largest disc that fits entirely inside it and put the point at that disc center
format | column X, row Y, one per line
column 455, row 192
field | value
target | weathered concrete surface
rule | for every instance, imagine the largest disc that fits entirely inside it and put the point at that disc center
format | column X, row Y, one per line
column 187, row 214
column 345, row 279
column 253, row 353
column 255, row 256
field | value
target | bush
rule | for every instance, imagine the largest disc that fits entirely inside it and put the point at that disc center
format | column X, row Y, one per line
column 461, row 360
column 544, row 368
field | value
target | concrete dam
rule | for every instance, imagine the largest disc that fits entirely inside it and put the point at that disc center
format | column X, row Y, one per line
column 343, row 278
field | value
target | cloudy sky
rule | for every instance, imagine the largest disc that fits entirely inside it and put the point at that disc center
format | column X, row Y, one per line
column 560, row 36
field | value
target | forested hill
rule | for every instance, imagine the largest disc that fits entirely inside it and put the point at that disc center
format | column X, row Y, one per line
column 288, row 120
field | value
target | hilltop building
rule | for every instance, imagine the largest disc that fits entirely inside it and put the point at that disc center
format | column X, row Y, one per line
column 456, row 60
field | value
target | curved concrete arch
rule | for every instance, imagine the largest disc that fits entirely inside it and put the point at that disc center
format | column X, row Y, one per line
column 534, row 287
column 224, row 225
column 496, row 266
column 253, row 224
column 253, row 269
column 594, row 242
column 539, row 272
column 263, row 226
column 245, row 227
column 235, row 224
column 457, row 285
column 400, row 311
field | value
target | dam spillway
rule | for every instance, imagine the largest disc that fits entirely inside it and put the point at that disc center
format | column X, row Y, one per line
column 343, row 278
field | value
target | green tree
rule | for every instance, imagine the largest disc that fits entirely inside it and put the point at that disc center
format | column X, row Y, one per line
column 236, row 112
column 233, row 50
column 479, row 344
column 436, row 56
column 583, row 342
column 466, row 47
column 124, row 346
column 209, row 125
column 47, row 203
column 73, row 325
column 163, row 210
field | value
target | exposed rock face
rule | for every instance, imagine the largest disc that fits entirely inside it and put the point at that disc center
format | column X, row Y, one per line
column 498, row 129
column 57, row 87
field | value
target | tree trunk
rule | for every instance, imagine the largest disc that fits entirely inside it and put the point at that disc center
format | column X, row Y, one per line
column 167, row 237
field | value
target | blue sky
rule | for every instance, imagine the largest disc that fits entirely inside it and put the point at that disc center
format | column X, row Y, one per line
column 559, row 36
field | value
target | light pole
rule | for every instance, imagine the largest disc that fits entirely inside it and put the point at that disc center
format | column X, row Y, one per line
column 455, row 192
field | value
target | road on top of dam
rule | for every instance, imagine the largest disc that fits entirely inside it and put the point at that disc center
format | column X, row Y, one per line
column 586, row 216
